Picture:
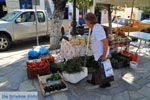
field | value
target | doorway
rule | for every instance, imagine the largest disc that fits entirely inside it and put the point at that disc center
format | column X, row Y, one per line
column 3, row 10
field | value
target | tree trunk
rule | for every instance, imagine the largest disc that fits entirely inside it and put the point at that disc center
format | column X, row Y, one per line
column 56, row 23
column 109, row 18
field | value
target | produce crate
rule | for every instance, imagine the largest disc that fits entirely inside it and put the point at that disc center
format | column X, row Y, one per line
column 46, row 56
column 119, row 43
column 44, row 84
column 134, row 57
column 33, row 71
column 56, row 67
column 119, row 61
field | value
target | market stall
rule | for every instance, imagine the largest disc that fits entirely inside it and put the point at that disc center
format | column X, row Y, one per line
column 75, row 46
column 53, row 70
column 120, row 54
column 142, row 36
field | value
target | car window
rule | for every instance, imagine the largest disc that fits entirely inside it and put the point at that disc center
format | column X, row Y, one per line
column 147, row 30
column 41, row 16
column 146, row 21
column 27, row 17
column 123, row 21
column 10, row 16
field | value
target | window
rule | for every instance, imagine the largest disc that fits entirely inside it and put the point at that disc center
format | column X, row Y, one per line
column 121, row 21
column 66, row 13
column 147, row 30
column 10, row 16
column 27, row 17
column 41, row 17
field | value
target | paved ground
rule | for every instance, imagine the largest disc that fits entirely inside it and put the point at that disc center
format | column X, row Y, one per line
column 129, row 84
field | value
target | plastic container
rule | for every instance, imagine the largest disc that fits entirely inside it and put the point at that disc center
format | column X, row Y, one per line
column 75, row 77
column 134, row 57
column 133, row 64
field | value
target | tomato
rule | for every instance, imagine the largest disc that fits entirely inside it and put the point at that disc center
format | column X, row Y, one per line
column 40, row 64
column 51, row 59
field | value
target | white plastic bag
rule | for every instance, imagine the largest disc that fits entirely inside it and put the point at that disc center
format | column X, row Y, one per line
column 108, row 68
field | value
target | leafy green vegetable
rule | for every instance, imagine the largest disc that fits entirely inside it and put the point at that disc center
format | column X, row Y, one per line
column 53, row 77
column 56, row 65
column 74, row 65
column 133, row 38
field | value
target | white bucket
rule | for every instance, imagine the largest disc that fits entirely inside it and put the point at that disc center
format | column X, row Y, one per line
column 133, row 64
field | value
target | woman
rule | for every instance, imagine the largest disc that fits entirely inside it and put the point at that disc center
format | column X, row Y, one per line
column 99, row 45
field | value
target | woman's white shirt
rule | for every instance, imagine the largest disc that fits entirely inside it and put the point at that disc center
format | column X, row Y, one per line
column 97, row 35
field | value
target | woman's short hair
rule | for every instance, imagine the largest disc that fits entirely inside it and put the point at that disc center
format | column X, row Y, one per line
column 91, row 18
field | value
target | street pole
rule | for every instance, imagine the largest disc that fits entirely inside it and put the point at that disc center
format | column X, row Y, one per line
column 74, row 17
column 37, row 37
column 129, row 25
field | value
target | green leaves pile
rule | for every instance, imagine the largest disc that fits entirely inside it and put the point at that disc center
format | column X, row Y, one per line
column 56, row 65
column 133, row 38
column 53, row 77
column 74, row 65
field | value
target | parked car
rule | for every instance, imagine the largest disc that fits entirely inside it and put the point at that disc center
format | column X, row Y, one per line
column 21, row 24
column 146, row 20
column 147, row 30
column 123, row 24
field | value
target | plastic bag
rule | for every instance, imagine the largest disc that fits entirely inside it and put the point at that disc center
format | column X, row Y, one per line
column 33, row 53
column 108, row 68
column 43, row 50
column 85, row 35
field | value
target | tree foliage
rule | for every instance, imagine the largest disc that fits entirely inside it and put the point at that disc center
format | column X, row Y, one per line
column 83, row 4
column 100, row 7
column 146, row 10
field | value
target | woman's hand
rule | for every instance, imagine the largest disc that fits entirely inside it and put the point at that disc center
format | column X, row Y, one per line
column 103, row 58
column 105, row 49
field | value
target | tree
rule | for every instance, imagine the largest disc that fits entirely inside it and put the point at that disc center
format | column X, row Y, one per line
column 146, row 11
column 58, row 15
column 56, row 22
column 83, row 4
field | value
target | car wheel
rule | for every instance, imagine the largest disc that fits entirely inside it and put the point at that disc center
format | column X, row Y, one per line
column 4, row 43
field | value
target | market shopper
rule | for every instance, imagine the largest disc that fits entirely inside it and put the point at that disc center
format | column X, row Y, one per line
column 99, row 45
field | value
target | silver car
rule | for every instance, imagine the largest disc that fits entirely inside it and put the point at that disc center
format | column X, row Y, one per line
column 21, row 24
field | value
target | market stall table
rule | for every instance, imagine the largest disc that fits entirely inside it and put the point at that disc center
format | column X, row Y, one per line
column 142, row 36
column 74, row 47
